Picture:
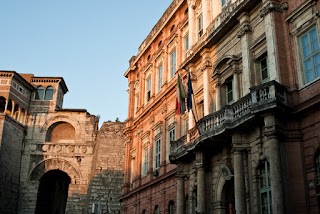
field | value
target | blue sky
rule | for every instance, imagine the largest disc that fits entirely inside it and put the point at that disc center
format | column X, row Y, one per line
column 87, row 42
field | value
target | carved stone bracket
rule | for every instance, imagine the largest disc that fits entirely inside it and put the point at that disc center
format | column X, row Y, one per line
column 244, row 29
column 206, row 64
column 273, row 6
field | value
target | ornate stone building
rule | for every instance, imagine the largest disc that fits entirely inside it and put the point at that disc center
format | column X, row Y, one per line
column 55, row 160
column 251, row 142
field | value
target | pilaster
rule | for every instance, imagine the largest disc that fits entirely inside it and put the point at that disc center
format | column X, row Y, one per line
column 244, row 34
column 273, row 154
column 201, row 187
column 271, row 37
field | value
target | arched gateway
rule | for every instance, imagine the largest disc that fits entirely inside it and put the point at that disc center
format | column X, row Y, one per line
column 53, row 192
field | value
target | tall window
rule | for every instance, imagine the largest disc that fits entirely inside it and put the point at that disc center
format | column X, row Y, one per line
column 160, row 77
column 265, row 188
column 133, row 161
column 148, row 89
column 157, row 152
column 156, row 209
column 195, row 199
column 171, row 207
column 200, row 25
column 173, row 61
column 229, row 90
column 49, row 93
column 186, row 45
column 264, row 69
column 172, row 134
column 40, row 93
column 310, row 54
column 145, row 162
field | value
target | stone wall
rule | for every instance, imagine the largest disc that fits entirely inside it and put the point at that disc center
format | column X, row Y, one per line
column 11, row 146
column 105, row 185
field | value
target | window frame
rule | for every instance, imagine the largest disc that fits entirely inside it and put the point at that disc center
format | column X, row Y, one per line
column 229, row 82
column 157, row 152
column 148, row 88
column 311, row 56
column 200, row 26
column 145, row 161
column 264, row 69
column 51, row 88
column 264, row 165
column 159, row 76
column 173, row 63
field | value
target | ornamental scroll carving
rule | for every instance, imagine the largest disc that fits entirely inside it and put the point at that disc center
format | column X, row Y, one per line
column 273, row 6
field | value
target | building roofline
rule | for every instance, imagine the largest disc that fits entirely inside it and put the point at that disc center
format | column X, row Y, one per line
column 22, row 80
column 166, row 16
column 52, row 79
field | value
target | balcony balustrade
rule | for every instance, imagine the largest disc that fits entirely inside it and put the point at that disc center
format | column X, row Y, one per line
column 267, row 96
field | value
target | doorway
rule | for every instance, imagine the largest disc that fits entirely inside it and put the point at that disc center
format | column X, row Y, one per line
column 53, row 192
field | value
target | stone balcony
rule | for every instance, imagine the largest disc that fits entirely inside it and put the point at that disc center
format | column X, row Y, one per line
column 268, row 96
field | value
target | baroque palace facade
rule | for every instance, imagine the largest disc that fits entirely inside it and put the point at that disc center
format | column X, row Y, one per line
column 250, row 144
column 52, row 159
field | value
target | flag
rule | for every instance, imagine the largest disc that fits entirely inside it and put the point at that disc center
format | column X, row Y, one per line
column 180, row 97
column 190, row 92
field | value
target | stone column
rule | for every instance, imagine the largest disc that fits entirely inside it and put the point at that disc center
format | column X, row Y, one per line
column 13, row 105
column 206, row 69
column 6, row 106
column 244, row 34
column 201, row 184
column 271, row 38
column 239, row 182
column 180, row 195
column 236, row 85
column 192, row 22
column 277, row 196
column 218, row 96
column 206, row 14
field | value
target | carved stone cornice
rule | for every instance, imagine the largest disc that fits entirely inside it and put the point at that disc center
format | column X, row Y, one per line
column 273, row 6
column 206, row 64
column 244, row 29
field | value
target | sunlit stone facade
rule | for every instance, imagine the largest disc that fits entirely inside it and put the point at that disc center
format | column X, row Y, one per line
column 251, row 142
column 53, row 159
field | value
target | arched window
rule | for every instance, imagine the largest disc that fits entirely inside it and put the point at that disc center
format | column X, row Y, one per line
column 144, row 212
column 49, row 93
column 265, row 188
column 40, row 93
column 2, row 104
column 156, row 210
column 171, row 207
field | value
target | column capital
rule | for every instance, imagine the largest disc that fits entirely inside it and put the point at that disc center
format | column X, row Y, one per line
column 206, row 64
column 271, row 6
column 244, row 29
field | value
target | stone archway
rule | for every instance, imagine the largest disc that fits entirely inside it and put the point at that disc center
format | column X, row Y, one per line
column 225, row 196
column 53, row 192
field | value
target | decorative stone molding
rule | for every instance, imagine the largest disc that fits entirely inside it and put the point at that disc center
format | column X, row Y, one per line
column 206, row 64
column 244, row 29
column 273, row 6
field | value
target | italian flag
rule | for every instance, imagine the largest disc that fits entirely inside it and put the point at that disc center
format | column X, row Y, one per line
column 181, row 97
